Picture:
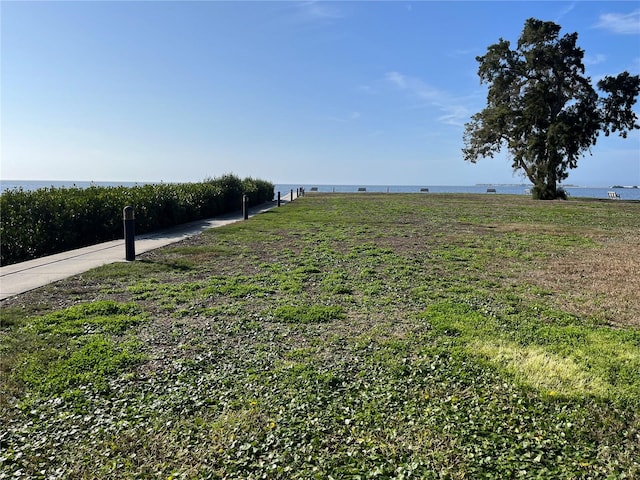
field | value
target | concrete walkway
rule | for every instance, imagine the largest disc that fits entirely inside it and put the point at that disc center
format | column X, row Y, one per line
column 22, row 277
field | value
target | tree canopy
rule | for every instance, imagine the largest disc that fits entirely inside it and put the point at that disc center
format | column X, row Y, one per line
column 542, row 108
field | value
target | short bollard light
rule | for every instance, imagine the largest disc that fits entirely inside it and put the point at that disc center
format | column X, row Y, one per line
column 245, row 207
column 129, row 233
column 278, row 198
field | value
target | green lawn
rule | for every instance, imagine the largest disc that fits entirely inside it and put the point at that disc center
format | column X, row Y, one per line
column 341, row 336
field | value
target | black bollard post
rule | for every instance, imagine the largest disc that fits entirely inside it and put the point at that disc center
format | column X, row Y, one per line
column 245, row 207
column 129, row 233
column 291, row 197
column 278, row 198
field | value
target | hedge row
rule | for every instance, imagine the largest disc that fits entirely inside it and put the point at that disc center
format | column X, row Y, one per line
column 51, row 220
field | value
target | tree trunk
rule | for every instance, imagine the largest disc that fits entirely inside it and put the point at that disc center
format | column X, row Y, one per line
column 552, row 184
column 545, row 185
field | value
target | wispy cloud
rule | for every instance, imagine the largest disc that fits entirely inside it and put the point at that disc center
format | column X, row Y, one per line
column 594, row 59
column 368, row 89
column 463, row 52
column 622, row 23
column 318, row 10
column 397, row 78
column 348, row 118
column 453, row 112
column 565, row 11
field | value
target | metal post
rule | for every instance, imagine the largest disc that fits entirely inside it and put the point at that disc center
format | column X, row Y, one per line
column 291, row 197
column 128, row 216
column 278, row 198
column 245, row 207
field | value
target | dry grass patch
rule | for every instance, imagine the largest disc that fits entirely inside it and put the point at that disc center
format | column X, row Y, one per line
column 602, row 282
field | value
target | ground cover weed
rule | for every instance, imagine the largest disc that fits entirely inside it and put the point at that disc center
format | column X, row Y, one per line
column 370, row 336
column 308, row 313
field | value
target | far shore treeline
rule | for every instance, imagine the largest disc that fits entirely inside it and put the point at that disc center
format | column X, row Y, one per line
column 51, row 220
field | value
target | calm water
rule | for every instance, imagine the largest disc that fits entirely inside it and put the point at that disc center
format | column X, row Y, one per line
column 589, row 192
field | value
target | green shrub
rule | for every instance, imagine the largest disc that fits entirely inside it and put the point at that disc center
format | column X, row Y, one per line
column 50, row 220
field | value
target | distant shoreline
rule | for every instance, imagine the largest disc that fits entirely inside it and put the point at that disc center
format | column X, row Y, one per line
column 626, row 192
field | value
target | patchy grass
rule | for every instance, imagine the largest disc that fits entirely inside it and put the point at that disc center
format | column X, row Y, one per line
column 344, row 336
column 64, row 352
column 308, row 313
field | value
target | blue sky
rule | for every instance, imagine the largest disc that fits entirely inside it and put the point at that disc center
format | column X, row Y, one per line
column 307, row 92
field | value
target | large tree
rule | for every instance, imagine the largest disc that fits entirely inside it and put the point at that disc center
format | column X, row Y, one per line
column 542, row 108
